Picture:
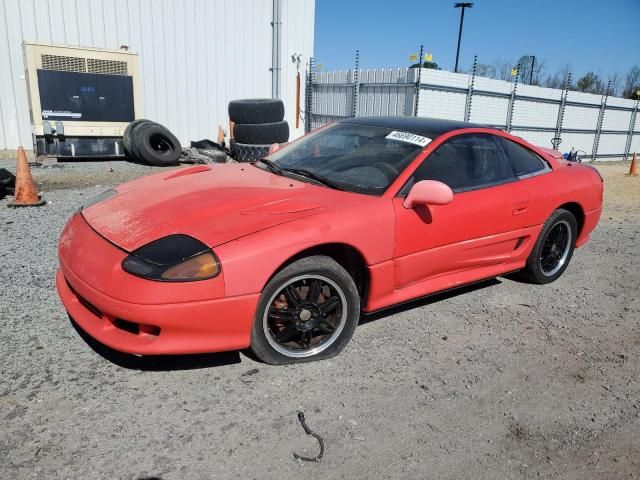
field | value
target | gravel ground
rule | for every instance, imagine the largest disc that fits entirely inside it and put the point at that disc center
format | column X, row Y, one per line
column 502, row 380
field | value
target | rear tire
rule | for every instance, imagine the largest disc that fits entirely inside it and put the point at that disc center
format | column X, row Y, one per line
column 553, row 250
column 308, row 311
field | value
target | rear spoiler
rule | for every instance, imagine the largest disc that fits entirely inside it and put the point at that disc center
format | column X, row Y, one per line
column 554, row 153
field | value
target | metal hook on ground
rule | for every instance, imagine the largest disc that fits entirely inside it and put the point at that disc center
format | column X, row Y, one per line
column 308, row 431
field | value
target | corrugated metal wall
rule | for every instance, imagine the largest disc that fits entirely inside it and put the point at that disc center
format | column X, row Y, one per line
column 195, row 55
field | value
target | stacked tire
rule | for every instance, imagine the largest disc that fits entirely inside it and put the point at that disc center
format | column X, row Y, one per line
column 149, row 142
column 259, row 123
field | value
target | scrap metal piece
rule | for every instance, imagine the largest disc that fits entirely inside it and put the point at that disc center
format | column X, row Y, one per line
column 308, row 431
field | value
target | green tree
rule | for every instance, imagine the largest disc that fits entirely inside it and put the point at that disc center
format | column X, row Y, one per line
column 590, row 83
column 632, row 83
column 432, row 65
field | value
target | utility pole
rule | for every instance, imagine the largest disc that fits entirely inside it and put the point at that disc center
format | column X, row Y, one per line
column 462, row 6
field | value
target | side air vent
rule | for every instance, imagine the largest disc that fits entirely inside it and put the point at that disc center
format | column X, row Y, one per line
column 518, row 243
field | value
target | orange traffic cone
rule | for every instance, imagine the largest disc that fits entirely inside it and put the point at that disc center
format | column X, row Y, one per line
column 26, row 194
column 633, row 169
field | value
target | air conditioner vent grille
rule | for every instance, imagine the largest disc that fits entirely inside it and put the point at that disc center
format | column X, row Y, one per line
column 63, row 63
column 106, row 67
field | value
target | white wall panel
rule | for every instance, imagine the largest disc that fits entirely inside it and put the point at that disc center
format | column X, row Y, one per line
column 610, row 143
column 489, row 110
column 195, row 55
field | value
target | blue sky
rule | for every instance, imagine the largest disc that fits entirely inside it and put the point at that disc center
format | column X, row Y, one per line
column 603, row 36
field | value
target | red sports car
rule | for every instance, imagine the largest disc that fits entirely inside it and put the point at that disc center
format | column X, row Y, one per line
column 283, row 254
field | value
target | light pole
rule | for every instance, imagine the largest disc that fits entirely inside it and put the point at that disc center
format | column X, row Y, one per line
column 462, row 6
column 533, row 62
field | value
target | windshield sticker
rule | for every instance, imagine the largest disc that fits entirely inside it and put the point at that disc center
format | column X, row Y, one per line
column 409, row 138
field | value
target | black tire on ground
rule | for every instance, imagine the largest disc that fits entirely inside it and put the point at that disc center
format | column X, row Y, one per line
column 242, row 152
column 154, row 144
column 261, row 133
column 256, row 110
column 126, row 137
column 561, row 225
column 339, row 308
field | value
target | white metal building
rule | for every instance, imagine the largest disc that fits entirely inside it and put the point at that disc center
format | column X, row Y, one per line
column 195, row 55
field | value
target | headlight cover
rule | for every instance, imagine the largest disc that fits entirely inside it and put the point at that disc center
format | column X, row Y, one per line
column 174, row 258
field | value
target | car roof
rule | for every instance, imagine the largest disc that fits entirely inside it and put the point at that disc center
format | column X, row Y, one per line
column 427, row 127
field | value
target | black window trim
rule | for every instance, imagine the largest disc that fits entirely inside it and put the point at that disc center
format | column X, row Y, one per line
column 402, row 193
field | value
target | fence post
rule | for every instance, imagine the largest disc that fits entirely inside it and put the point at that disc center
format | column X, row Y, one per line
column 467, row 106
column 512, row 99
column 563, row 103
column 418, row 81
column 603, row 108
column 356, row 85
column 308, row 97
column 632, row 127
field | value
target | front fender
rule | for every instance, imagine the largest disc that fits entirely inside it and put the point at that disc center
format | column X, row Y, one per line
column 250, row 261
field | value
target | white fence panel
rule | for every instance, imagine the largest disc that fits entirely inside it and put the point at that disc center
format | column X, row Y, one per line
column 533, row 113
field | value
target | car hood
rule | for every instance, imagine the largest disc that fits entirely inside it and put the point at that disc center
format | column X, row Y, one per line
column 215, row 204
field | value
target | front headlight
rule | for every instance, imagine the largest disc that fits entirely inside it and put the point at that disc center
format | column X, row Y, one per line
column 174, row 258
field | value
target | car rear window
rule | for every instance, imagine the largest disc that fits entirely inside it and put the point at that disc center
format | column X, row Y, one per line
column 523, row 161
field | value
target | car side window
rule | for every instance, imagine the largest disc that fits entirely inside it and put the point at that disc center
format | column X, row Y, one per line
column 523, row 161
column 466, row 162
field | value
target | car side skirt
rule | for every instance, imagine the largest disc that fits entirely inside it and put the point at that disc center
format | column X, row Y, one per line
column 383, row 290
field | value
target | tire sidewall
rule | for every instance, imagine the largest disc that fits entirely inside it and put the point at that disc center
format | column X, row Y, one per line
column 261, row 133
column 256, row 110
column 142, row 148
column 128, row 132
column 534, row 268
column 315, row 265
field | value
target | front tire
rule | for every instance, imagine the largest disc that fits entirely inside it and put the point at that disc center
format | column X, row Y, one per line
column 553, row 249
column 308, row 311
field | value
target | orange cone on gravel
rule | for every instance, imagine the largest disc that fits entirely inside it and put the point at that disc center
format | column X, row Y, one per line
column 633, row 169
column 26, row 193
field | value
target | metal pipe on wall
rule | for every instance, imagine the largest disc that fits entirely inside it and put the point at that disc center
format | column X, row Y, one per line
column 276, row 48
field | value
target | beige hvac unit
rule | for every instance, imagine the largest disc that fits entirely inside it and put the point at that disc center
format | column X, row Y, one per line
column 80, row 99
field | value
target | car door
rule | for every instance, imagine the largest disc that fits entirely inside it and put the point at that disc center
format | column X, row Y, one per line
column 478, row 228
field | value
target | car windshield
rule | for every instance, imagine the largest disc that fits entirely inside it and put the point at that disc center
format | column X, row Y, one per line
column 351, row 157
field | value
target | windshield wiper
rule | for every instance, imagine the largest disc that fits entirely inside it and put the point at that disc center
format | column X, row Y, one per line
column 313, row 176
column 270, row 165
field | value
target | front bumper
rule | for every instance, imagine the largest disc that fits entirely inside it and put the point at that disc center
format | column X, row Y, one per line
column 167, row 318
column 181, row 328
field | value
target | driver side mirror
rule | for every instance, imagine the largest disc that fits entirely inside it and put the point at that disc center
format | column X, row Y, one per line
column 428, row 192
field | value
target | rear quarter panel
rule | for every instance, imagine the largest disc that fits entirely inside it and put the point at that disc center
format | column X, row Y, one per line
column 566, row 183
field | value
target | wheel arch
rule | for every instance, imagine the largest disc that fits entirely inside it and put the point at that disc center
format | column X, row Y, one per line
column 347, row 256
column 577, row 211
